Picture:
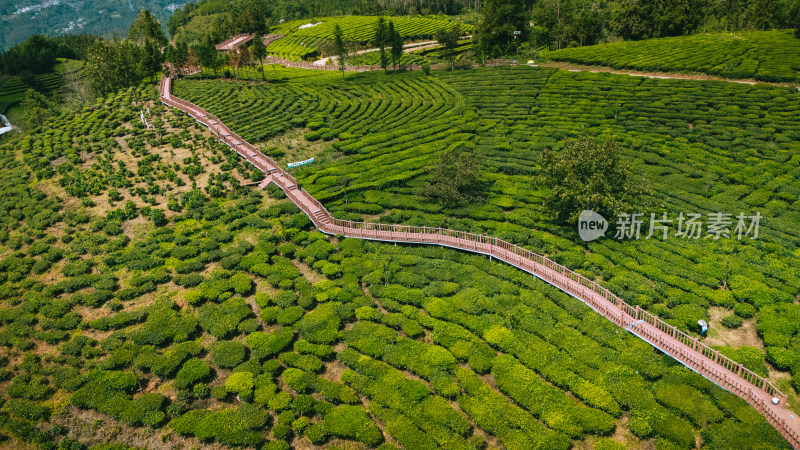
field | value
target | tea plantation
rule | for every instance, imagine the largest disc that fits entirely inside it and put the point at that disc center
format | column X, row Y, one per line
column 228, row 319
column 762, row 55
column 13, row 88
column 700, row 147
column 298, row 42
column 148, row 297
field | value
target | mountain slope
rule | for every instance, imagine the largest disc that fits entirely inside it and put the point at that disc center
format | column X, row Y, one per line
column 21, row 19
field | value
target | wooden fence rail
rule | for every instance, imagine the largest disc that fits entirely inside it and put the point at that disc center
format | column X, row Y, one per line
column 756, row 390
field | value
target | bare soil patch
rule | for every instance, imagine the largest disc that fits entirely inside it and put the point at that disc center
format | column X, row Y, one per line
column 718, row 334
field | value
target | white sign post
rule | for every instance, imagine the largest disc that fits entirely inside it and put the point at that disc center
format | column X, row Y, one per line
column 301, row 163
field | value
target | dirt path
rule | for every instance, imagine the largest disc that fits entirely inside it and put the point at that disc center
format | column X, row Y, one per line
column 407, row 48
column 660, row 75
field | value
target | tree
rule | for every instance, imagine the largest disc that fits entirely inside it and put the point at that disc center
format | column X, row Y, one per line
column 37, row 108
column 178, row 55
column 151, row 58
column 796, row 19
column 240, row 57
column 208, row 54
column 192, row 58
column 455, row 178
column 381, row 39
column 78, row 87
column 587, row 174
column 113, row 65
column 145, row 27
column 500, row 19
column 397, row 44
column 259, row 51
column 339, row 47
column 449, row 39
column 251, row 17
column 36, row 55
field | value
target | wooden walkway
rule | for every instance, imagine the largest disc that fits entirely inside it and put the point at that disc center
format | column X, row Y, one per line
column 756, row 390
column 235, row 41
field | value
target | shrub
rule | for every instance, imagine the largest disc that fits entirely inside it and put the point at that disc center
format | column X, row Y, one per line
column 108, row 392
column 367, row 313
column 316, row 433
column 732, row 321
column 289, row 315
column 222, row 320
column 308, row 363
column 745, row 310
column 241, row 383
column 265, row 345
column 321, row 325
column 240, row 427
column 285, row 299
column 672, row 392
column 241, row 283
column 351, row 422
column 193, row 370
column 227, row 354
column 608, row 444
column 27, row 409
column 163, row 325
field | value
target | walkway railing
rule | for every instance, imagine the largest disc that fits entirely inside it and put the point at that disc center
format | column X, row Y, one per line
column 753, row 388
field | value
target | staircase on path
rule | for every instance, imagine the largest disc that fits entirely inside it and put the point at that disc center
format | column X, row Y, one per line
column 688, row 350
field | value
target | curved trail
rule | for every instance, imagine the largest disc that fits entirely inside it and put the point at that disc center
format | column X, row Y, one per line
column 694, row 76
column 728, row 374
column 407, row 48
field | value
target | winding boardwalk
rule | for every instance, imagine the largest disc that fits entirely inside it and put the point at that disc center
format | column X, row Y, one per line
column 756, row 390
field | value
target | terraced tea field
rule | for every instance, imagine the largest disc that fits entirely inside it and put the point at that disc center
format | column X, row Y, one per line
column 701, row 146
column 762, row 55
column 299, row 42
column 431, row 56
column 12, row 89
column 245, row 326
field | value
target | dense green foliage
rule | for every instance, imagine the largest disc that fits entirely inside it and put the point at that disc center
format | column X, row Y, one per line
column 13, row 89
column 763, row 55
column 225, row 18
column 38, row 54
column 559, row 24
column 142, row 284
column 303, row 42
column 507, row 117
column 586, row 174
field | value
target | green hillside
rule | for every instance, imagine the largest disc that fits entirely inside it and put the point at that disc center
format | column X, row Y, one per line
column 700, row 146
column 158, row 290
column 144, row 288
column 762, row 55
column 300, row 42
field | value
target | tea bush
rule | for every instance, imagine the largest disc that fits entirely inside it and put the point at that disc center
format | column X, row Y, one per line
column 763, row 55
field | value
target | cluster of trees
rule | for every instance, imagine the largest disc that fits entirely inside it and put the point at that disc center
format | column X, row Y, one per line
column 387, row 35
column 112, row 65
column 561, row 23
column 253, row 16
column 38, row 53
